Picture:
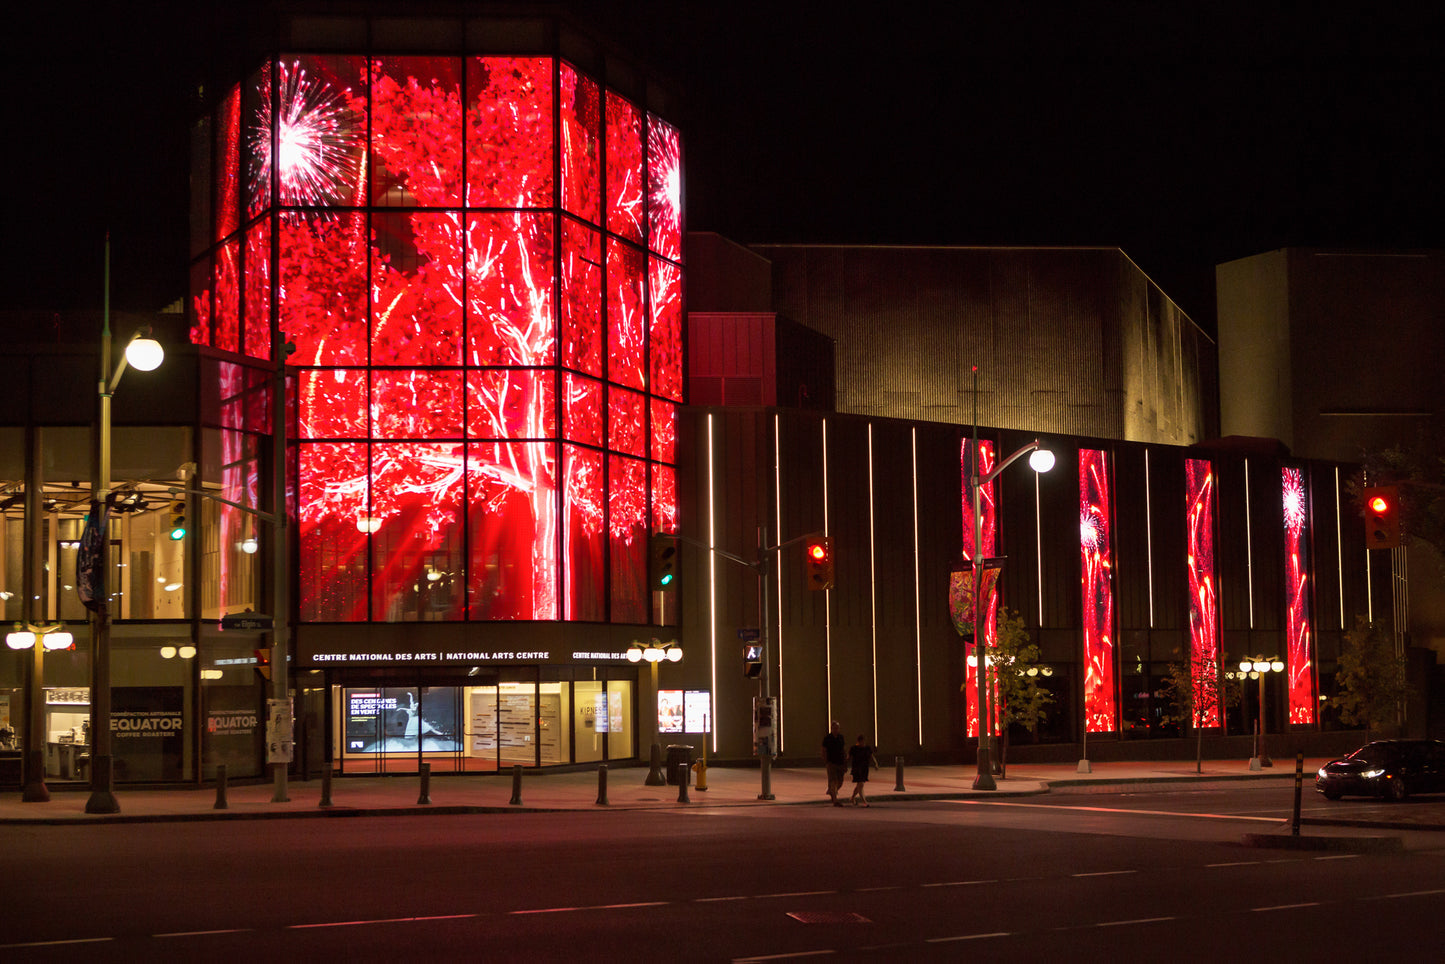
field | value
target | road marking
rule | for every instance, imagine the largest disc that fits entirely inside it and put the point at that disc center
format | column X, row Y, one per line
column 781, row 957
column 1313, row 903
column 960, row 883
column 713, row 900
column 1413, row 893
column 1232, row 863
column 77, row 940
column 965, row 937
column 1137, row 920
column 801, row 893
column 874, row 890
column 379, row 920
column 1330, row 857
column 1101, row 873
column 1152, row 813
column 224, row 930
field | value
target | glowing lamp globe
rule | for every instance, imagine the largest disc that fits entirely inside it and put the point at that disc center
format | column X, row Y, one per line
column 1041, row 460
column 145, row 354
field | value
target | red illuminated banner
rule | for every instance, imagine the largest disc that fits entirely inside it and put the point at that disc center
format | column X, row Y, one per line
column 1298, row 625
column 989, row 516
column 1097, row 568
column 1203, row 603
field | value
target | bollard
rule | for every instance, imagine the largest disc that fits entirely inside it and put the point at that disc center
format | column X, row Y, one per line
column 326, row 785
column 221, row 787
column 425, row 796
column 516, row 800
column 898, row 766
column 701, row 767
column 1299, row 775
column 602, row 785
column 682, row 783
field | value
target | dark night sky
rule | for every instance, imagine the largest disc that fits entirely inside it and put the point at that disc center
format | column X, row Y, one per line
column 1185, row 133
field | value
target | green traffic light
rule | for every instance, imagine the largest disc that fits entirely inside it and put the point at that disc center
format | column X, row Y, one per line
column 666, row 579
column 178, row 533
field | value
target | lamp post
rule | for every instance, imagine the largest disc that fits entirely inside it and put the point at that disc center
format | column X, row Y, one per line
column 145, row 353
column 1257, row 667
column 37, row 639
column 1041, row 460
column 653, row 652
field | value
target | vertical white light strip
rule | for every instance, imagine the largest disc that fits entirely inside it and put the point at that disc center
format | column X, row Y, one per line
column 873, row 583
column 1248, row 547
column 917, row 597
column 827, row 593
column 1038, row 547
column 1339, row 548
column 1149, row 537
column 711, row 579
column 1369, row 590
column 778, row 564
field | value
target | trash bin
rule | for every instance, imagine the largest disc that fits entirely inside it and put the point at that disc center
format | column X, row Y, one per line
column 679, row 765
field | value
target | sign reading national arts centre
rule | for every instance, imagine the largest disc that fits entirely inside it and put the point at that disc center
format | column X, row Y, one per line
column 339, row 656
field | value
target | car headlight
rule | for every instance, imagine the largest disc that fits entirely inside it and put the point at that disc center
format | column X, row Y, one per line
column 1321, row 774
column 1371, row 774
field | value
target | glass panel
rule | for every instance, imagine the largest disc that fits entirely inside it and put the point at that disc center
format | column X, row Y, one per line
column 627, row 538
column 664, row 431
column 416, row 131
column 984, row 549
column 332, row 496
column 553, row 745
column 323, row 279
column 1096, row 567
column 228, row 163
column 581, row 298
column 228, row 297
column 416, row 404
column 581, row 136
column 619, row 720
column 664, row 189
column 582, row 410
column 589, row 719
column 320, row 139
column 257, row 291
column 664, row 498
column 416, row 288
column 417, row 549
column 665, row 330
column 201, row 184
column 1298, row 613
column 626, row 321
column 507, row 403
column 509, row 132
column 516, row 731
column 238, row 556
column 512, row 522
column 1203, row 603
column 481, row 710
column 624, row 168
column 510, row 290
column 256, row 125
column 582, row 533
column 625, row 425
column 332, row 403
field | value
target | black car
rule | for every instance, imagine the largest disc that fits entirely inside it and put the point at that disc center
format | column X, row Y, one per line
column 1392, row 769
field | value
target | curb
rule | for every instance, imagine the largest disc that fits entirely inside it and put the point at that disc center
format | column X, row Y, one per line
column 1356, row 845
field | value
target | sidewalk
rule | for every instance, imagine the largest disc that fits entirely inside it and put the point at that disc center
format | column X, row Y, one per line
column 626, row 789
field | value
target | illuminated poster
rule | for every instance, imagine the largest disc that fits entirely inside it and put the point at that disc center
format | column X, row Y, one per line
column 670, row 717
column 697, row 711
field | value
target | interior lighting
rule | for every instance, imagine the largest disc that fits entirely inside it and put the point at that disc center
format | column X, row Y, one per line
column 368, row 524
column 168, row 652
column 187, row 651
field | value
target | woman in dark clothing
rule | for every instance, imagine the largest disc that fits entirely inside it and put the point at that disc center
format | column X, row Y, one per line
column 860, row 758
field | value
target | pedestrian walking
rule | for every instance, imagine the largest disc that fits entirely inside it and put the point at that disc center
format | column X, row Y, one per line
column 835, row 760
column 860, row 758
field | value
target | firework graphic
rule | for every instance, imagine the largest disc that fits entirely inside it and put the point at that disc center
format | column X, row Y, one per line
column 1097, row 578
column 664, row 189
column 1299, row 665
column 1203, row 607
column 989, row 514
column 315, row 150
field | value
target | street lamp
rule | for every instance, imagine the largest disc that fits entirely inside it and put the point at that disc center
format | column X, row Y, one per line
column 1040, row 460
column 653, row 652
column 1256, row 667
column 38, row 639
column 143, row 352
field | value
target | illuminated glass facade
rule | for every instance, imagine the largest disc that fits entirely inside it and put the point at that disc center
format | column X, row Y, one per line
column 1096, row 566
column 988, row 513
column 1299, row 663
column 1203, row 599
column 478, row 263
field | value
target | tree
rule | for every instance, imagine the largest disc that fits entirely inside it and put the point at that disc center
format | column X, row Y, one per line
column 1192, row 687
column 1013, row 672
column 1420, row 476
column 1371, row 677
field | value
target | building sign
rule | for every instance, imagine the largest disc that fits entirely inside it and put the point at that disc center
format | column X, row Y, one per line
column 147, row 725
column 329, row 654
column 232, row 730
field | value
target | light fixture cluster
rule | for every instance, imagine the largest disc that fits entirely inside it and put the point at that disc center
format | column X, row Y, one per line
column 24, row 636
column 654, row 651
column 184, row 652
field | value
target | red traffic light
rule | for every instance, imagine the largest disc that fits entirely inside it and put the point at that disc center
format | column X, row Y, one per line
column 1379, row 504
column 817, row 552
column 1383, row 526
column 818, row 559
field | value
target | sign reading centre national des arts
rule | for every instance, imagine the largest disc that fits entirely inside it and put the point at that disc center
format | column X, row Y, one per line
column 324, row 648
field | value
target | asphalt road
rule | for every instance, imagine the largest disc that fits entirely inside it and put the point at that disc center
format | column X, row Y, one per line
column 1117, row 876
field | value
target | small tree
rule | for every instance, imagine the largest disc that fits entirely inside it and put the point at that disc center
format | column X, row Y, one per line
column 1014, row 676
column 1192, row 686
column 1371, row 677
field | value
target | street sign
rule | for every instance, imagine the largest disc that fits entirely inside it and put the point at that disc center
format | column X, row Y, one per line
column 247, row 620
column 749, row 635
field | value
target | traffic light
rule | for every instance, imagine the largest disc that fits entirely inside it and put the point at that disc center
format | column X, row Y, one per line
column 263, row 662
column 662, row 558
column 1382, row 517
column 818, row 559
column 752, row 660
column 176, row 520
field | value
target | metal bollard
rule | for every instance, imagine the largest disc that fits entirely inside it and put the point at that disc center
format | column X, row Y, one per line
column 654, row 770
column 425, row 796
column 326, row 785
column 682, row 783
column 1299, row 776
column 898, row 766
column 602, row 785
column 516, row 800
column 221, row 787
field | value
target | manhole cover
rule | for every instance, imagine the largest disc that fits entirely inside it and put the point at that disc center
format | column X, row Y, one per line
column 828, row 917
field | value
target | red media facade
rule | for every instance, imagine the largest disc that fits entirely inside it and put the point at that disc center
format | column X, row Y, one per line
column 1097, row 568
column 478, row 261
column 988, row 512
column 1203, row 602
column 1299, row 664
